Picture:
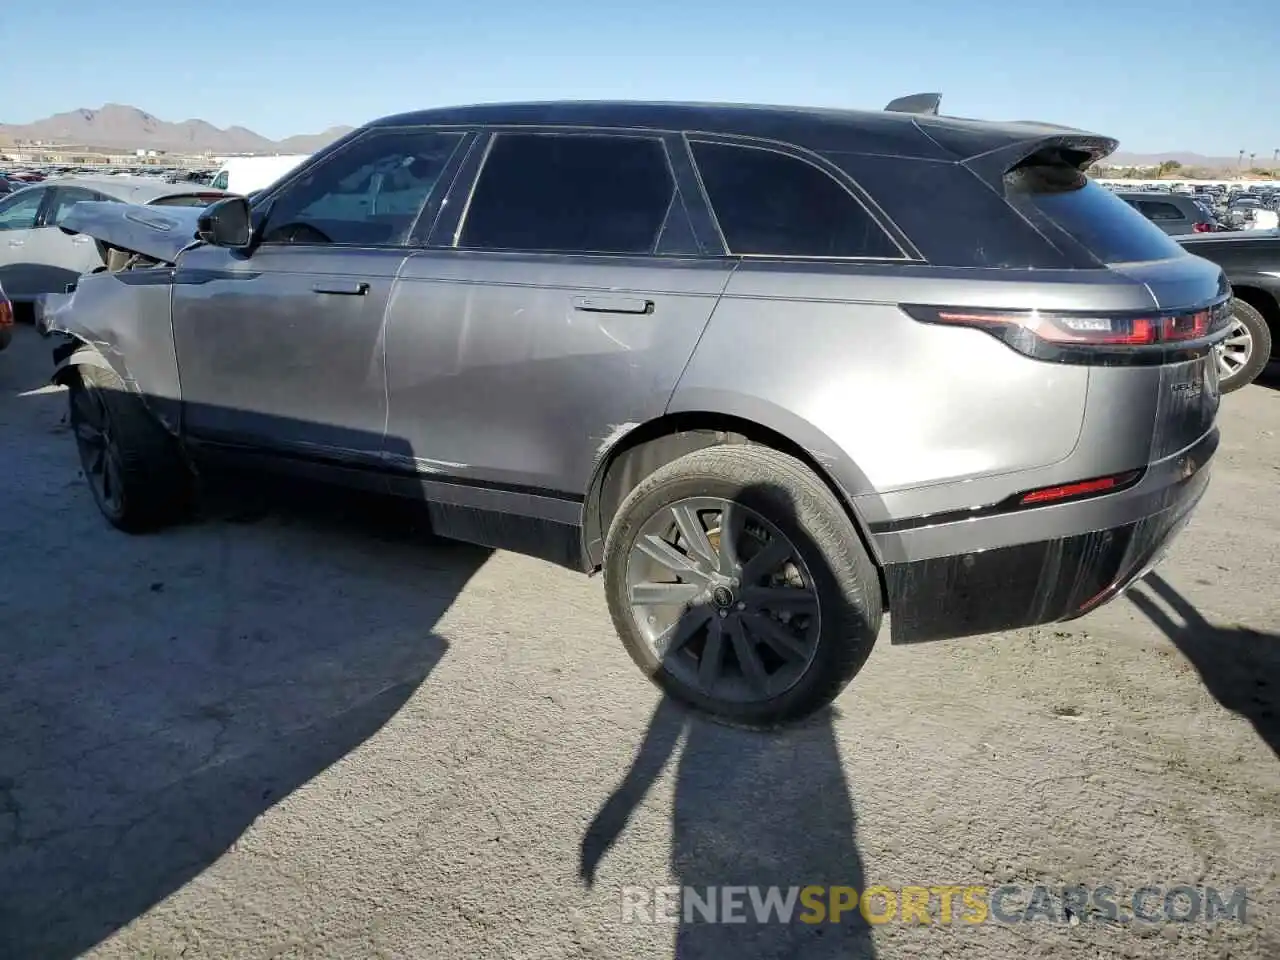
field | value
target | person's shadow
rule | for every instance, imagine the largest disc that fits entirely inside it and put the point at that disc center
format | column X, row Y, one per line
column 754, row 810
column 1239, row 666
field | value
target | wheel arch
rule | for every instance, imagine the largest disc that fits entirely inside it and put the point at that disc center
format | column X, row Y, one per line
column 76, row 352
column 648, row 446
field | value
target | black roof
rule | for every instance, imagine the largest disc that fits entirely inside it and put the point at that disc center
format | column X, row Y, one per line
column 823, row 130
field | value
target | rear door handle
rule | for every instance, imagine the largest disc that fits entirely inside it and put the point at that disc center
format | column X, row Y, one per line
column 357, row 289
column 16, row 243
column 613, row 305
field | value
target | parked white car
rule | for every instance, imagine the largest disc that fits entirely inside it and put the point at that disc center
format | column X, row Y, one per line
column 245, row 175
column 1264, row 220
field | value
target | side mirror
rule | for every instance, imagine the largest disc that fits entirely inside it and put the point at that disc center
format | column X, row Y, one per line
column 225, row 223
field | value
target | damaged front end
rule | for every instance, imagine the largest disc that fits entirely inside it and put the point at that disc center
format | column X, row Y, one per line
column 125, row 231
column 119, row 314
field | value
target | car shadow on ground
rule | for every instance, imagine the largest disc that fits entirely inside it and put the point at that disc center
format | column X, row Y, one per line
column 218, row 667
column 1270, row 376
column 754, row 810
column 1239, row 666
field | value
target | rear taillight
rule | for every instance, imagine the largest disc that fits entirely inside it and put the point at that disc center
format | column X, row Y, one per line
column 1068, row 336
column 6, row 313
column 1202, row 228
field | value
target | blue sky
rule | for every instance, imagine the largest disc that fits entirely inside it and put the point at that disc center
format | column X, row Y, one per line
column 1173, row 75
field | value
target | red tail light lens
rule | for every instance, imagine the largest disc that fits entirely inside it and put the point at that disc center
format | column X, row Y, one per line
column 1202, row 228
column 1046, row 334
column 6, row 313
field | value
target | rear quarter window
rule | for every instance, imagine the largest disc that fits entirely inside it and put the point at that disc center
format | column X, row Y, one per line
column 1110, row 229
column 771, row 204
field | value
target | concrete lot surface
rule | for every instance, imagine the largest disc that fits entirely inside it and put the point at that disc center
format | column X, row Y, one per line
column 311, row 732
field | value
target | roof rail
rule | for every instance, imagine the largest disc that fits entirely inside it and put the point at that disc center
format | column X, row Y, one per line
column 926, row 103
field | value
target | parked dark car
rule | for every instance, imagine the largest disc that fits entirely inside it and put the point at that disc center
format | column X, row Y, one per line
column 1251, row 261
column 1173, row 213
column 774, row 371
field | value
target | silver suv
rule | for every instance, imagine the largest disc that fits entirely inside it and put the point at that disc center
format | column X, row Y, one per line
column 777, row 372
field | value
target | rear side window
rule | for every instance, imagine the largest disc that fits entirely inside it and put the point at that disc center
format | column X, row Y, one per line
column 1158, row 210
column 771, row 204
column 67, row 197
column 1102, row 223
column 570, row 193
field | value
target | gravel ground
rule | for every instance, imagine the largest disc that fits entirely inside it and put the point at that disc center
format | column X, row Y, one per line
column 309, row 733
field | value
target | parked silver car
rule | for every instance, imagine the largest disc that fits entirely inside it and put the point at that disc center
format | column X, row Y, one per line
column 774, row 371
column 36, row 258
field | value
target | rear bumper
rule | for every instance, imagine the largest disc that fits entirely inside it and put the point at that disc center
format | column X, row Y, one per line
column 985, row 589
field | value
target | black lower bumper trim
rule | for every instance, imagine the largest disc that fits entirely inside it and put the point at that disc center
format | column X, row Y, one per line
column 1027, row 584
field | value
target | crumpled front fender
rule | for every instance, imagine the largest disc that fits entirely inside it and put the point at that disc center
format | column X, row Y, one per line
column 122, row 322
column 67, row 357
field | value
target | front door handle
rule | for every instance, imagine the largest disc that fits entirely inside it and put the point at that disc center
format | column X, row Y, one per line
column 613, row 304
column 356, row 289
column 16, row 243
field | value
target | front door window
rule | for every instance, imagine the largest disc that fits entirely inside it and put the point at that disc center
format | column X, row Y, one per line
column 368, row 194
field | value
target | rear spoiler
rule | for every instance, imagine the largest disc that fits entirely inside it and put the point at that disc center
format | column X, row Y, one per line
column 922, row 103
column 1076, row 149
column 1007, row 145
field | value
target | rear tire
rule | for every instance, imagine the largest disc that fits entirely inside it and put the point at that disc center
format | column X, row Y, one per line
column 1247, row 349
column 134, row 467
column 765, row 603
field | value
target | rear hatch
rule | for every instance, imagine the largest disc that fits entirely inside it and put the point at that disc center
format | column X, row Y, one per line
column 1155, row 366
column 1189, row 296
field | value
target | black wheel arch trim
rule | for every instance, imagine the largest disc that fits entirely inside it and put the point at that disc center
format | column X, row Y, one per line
column 672, row 436
column 75, row 353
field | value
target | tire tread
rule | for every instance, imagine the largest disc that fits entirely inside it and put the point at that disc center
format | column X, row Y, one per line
column 842, row 651
column 157, row 482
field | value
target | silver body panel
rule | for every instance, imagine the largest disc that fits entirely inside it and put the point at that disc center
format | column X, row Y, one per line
column 584, row 348
column 501, row 387
column 274, row 353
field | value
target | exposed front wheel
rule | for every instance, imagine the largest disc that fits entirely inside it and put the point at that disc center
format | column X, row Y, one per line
column 1246, row 350
column 740, row 586
column 133, row 466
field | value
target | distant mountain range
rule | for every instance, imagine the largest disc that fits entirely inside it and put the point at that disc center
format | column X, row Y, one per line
column 123, row 127
column 1122, row 159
